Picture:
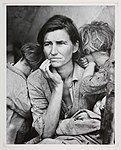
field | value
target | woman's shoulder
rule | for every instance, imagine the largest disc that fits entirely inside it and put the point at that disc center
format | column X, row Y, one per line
column 78, row 68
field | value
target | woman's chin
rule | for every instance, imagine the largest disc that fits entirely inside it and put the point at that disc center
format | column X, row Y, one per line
column 55, row 66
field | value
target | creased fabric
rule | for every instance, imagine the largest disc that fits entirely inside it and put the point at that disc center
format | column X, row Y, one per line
column 97, row 83
column 17, row 92
column 83, row 122
column 18, row 105
column 40, row 92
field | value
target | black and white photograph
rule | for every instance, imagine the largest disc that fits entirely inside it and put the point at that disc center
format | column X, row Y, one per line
column 60, row 74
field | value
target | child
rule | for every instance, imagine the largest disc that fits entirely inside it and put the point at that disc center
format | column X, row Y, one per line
column 18, row 103
column 97, row 40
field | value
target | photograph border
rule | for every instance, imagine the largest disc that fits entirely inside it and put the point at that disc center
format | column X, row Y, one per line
column 3, row 4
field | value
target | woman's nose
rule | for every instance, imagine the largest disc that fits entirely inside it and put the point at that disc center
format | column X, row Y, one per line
column 54, row 49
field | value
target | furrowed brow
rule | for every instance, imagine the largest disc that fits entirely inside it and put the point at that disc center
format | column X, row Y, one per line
column 61, row 42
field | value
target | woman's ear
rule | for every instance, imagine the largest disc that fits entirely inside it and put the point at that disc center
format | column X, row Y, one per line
column 76, row 47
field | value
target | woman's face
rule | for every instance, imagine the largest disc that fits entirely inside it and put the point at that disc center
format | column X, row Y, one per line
column 58, row 48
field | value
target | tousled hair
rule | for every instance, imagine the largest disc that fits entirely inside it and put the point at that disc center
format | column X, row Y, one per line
column 32, row 53
column 96, row 36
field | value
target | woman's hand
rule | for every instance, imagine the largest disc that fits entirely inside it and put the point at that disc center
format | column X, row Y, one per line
column 53, row 75
column 51, row 117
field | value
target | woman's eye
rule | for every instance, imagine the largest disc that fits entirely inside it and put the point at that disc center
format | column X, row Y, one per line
column 61, row 43
column 47, row 44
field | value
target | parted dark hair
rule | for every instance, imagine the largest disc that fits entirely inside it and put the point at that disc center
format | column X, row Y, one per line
column 96, row 36
column 32, row 53
column 60, row 22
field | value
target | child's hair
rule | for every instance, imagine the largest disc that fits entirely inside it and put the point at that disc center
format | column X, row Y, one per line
column 32, row 53
column 96, row 36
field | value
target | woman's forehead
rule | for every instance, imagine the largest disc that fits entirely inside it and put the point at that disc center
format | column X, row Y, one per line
column 60, row 34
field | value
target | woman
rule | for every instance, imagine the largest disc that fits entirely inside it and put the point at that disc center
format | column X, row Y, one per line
column 55, row 88
column 18, row 103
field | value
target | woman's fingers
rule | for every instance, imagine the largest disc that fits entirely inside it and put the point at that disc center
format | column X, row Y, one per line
column 41, row 66
column 44, row 67
column 44, row 64
column 53, row 75
column 48, row 72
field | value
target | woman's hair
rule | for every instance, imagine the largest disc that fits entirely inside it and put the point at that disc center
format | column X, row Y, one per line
column 96, row 36
column 60, row 22
column 32, row 53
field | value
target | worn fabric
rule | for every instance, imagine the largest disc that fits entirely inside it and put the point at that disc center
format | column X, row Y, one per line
column 97, row 83
column 40, row 93
column 105, row 76
column 108, row 115
column 82, row 128
column 18, row 103
column 93, row 138
column 83, row 122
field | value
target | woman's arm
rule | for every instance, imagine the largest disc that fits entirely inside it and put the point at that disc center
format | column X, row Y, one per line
column 46, row 115
column 51, row 117
column 52, row 114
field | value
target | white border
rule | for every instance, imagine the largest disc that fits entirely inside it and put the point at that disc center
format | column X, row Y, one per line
column 3, row 3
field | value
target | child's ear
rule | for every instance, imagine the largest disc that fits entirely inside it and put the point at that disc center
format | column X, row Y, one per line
column 76, row 47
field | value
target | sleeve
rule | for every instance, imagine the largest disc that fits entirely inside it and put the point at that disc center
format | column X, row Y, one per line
column 18, row 100
column 13, row 123
column 39, row 104
column 95, row 84
column 19, row 107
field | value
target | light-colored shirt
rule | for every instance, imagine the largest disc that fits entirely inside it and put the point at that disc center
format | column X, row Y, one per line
column 40, row 92
column 17, row 91
column 18, row 102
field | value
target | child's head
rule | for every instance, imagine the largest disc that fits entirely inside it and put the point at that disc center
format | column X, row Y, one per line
column 31, row 52
column 96, row 36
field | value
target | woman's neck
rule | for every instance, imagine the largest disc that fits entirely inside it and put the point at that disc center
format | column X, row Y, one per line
column 66, row 71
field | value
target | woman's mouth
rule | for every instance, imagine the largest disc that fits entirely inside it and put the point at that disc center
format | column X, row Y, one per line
column 54, row 59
